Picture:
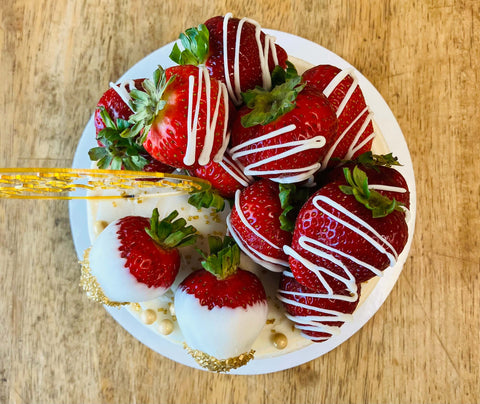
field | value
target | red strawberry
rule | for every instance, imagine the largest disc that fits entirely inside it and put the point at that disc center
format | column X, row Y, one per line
column 283, row 134
column 116, row 105
column 114, row 150
column 382, row 177
column 184, row 116
column 209, row 44
column 318, row 316
column 136, row 259
column 255, row 224
column 221, row 309
column 355, row 129
column 346, row 234
column 225, row 176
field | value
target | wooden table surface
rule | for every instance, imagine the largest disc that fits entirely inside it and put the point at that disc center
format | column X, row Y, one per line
column 56, row 59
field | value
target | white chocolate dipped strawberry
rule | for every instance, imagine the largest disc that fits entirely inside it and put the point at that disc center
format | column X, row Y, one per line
column 221, row 309
column 135, row 259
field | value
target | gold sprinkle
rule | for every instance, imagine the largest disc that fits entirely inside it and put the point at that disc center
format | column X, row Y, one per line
column 148, row 316
column 90, row 285
column 280, row 341
column 135, row 306
column 165, row 327
column 270, row 321
column 219, row 365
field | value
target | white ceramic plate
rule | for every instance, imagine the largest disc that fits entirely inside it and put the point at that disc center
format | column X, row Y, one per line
column 315, row 54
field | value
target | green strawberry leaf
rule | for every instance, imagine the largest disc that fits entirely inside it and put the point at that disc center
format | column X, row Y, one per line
column 370, row 160
column 146, row 105
column 207, row 199
column 170, row 233
column 292, row 199
column 224, row 257
column 267, row 106
column 195, row 42
column 280, row 75
column 379, row 204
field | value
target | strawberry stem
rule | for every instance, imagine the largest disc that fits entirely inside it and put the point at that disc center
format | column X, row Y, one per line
column 292, row 199
column 147, row 104
column 370, row 160
column 117, row 151
column 195, row 42
column 267, row 105
column 379, row 204
column 207, row 199
column 170, row 233
column 224, row 257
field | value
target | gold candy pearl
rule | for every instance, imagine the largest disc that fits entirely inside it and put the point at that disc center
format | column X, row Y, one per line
column 148, row 316
column 165, row 327
column 280, row 341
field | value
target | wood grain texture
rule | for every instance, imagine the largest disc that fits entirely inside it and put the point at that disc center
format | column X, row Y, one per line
column 56, row 59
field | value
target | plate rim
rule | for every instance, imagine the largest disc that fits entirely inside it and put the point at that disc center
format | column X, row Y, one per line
column 313, row 53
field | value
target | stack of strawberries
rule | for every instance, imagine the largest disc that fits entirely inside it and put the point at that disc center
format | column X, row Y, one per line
column 293, row 153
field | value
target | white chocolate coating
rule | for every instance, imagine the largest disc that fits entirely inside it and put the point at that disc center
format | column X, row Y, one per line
column 108, row 267
column 203, row 80
column 234, row 89
column 220, row 332
column 296, row 147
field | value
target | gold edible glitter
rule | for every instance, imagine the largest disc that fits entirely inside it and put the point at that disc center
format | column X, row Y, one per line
column 91, row 287
column 219, row 365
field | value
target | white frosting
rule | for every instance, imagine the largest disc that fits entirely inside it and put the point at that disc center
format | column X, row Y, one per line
column 292, row 148
column 263, row 52
column 388, row 188
column 220, row 332
column 313, row 322
column 203, row 80
column 108, row 267
column 273, row 264
column 355, row 145
column 123, row 93
column 235, row 169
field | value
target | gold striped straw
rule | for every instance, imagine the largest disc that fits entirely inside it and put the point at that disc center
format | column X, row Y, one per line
column 74, row 183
